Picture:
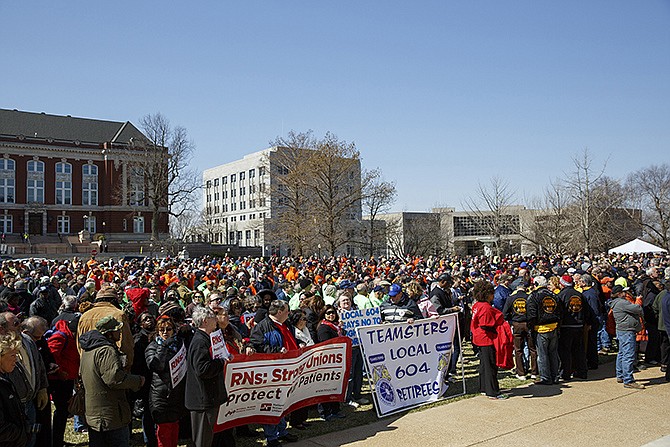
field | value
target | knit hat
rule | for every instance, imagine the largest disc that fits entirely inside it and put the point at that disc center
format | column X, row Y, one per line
column 617, row 289
column 108, row 324
column 566, row 280
column 106, row 293
column 167, row 307
column 304, row 283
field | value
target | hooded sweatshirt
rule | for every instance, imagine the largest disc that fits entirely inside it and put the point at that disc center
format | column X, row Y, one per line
column 105, row 382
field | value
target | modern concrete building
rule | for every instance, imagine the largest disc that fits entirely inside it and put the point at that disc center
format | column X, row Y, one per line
column 515, row 230
column 60, row 175
column 244, row 199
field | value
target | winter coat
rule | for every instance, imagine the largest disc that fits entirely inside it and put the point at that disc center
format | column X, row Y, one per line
column 576, row 312
column 626, row 315
column 205, row 386
column 63, row 347
column 265, row 337
column 103, row 309
column 105, row 381
column 167, row 403
column 13, row 424
column 403, row 310
column 27, row 389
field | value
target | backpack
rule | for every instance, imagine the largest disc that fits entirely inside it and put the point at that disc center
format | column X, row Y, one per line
column 51, row 332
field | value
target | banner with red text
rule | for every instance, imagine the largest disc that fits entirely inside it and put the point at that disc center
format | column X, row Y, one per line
column 264, row 387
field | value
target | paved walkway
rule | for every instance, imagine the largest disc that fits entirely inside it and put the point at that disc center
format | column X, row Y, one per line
column 594, row 412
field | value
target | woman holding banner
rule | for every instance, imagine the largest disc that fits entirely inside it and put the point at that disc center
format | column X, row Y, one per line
column 328, row 328
column 486, row 320
column 166, row 398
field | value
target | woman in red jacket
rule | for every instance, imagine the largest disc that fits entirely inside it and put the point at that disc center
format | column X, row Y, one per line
column 484, row 326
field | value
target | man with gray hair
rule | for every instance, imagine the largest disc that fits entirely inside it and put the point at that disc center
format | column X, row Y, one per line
column 205, row 386
column 543, row 313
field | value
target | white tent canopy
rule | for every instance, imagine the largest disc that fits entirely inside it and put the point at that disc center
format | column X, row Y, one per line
column 637, row 246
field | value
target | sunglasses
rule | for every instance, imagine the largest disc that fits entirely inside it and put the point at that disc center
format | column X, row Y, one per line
column 330, row 312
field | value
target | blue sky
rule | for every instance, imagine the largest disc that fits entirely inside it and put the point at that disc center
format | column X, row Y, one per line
column 439, row 95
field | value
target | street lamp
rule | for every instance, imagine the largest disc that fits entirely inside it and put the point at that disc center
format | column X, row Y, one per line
column 86, row 222
column 319, row 247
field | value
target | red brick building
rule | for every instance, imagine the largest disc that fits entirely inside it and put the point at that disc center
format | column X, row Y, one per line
column 60, row 175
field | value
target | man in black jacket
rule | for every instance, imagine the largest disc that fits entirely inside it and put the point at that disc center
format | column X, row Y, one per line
column 543, row 315
column 205, row 386
column 571, row 343
column 515, row 312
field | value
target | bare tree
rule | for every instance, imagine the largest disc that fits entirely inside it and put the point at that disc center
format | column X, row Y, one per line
column 582, row 185
column 377, row 198
column 319, row 191
column 163, row 163
column 183, row 225
column 648, row 189
column 550, row 227
column 490, row 209
column 293, row 225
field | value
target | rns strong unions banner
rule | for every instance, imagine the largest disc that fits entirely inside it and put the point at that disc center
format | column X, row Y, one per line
column 408, row 363
column 264, row 387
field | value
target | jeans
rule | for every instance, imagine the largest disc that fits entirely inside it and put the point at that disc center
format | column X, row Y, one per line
column 625, row 359
column 274, row 432
column 604, row 340
column 110, row 438
column 547, row 355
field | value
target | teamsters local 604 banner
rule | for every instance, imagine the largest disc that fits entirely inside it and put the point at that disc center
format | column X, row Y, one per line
column 408, row 363
column 264, row 387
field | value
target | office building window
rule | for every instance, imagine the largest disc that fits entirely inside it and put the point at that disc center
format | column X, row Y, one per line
column 35, row 181
column 63, row 225
column 7, row 180
column 138, row 224
column 89, row 185
column 6, row 223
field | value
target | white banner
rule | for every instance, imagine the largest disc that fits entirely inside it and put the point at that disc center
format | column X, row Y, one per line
column 408, row 363
column 178, row 366
column 219, row 350
column 353, row 319
column 264, row 387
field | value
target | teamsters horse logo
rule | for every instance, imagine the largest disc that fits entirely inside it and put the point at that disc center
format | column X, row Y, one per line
column 382, row 380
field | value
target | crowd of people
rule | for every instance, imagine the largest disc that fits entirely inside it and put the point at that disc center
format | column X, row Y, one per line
column 114, row 326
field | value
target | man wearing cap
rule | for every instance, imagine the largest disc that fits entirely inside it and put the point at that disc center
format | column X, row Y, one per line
column 627, row 319
column 106, row 304
column 571, row 344
column 399, row 307
column 106, row 381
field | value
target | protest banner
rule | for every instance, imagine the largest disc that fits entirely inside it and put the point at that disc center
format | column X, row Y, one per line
column 219, row 349
column 408, row 363
column 355, row 318
column 178, row 366
column 264, row 387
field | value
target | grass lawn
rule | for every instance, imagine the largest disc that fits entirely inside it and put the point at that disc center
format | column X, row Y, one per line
column 365, row 414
